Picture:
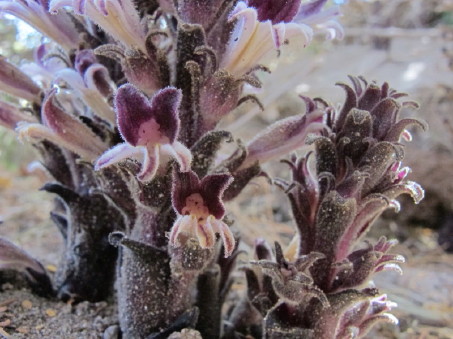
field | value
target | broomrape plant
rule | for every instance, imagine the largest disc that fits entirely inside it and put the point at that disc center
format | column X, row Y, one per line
column 123, row 103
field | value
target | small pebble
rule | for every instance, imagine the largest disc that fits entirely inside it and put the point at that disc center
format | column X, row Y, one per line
column 3, row 309
column 23, row 330
column 51, row 312
column 112, row 332
column 27, row 304
column 51, row 268
column 5, row 323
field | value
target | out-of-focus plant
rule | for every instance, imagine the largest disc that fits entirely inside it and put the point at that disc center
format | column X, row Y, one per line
column 123, row 105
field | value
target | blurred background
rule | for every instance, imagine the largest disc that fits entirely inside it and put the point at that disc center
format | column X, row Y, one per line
column 408, row 43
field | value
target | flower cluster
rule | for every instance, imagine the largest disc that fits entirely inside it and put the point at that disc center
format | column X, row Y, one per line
column 124, row 104
column 336, row 193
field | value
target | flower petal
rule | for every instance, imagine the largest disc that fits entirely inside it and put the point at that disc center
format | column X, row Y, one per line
column 59, row 28
column 10, row 115
column 184, row 225
column 184, row 184
column 150, row 163
column 250, row 41
column 91, row 97
column 84, row 59
column 229, row 243
column 119, row 18
column 16, row 82
column 97, row 78
column 71, row 129
column 212, row 188
column 276, row 10
column 165, row 105
column 116, row 154
column 135, row 112
column 205, row 234
column 283, row 137
column 180, row 153
column 13, row 257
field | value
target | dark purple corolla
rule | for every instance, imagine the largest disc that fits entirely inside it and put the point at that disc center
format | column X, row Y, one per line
column 200, row 210
column 149, row 127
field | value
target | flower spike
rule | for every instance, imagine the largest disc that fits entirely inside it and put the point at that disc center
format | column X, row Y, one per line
column 149, row 128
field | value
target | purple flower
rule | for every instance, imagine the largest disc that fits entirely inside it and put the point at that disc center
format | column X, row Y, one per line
column 149, row 127
column 63, row 129
column 200, row 210
column 91, row 82
column 284, row 136
column 17, row 83
column 264, row 26
column 119, row 18
column 276, row 10
column 10, row 115
column 59, row 28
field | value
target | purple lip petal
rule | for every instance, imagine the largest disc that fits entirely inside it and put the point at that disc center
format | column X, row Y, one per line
column 184, row 184
column 134, row 110
column 276, row 10
column 166, row 103
column 212, row 188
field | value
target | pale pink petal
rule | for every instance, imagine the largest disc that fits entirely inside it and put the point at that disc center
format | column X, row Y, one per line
column 150, row 163
column 180, row 153
column 205, row 234
column 91, row 97
column 31, row 132
column 183, row 224
column 10, row 115
column 59, row 28
column 116, row 154
column 220, row 227
column 16, row 82
column 249, row 43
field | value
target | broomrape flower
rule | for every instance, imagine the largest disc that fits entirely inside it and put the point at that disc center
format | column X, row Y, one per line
column 264, row 26
column 62, row 129
column 15, row 82
column 200, row 210
column 91, row 81
column 119, row 18
column 149, row 127
column 11, row 115
column 59, row 28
